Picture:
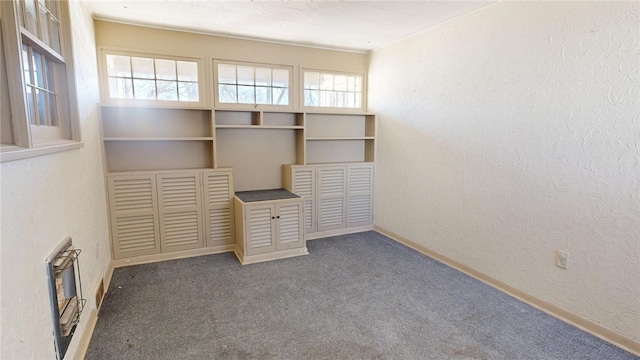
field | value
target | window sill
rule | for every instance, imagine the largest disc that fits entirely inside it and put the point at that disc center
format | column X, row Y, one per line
column 12, row 152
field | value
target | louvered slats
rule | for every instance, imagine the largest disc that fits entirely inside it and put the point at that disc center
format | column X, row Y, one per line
column 181, row 229
column 331, row 212
column 260, row 228
column 332, row 191
column 218, row 187
column 332, row 181
column 308, row 214
column 220, row 226
column 180, row 210
column 179, row 192
column 359, row 209
column 360, row 180
column 360, row 195
column 289, row 224
column 218, row 190
column 304, row 182
column 133, row 208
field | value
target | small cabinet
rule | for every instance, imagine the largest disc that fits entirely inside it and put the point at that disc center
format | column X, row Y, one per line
column 269, row 225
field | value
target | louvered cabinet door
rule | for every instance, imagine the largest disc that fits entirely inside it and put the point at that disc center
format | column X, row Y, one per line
column 260, row 230
column 290, row 220
column 331, row 197
column 359, row 195
column 133, row 210
column 218, row 215
column 179, row 209
column 304, row 184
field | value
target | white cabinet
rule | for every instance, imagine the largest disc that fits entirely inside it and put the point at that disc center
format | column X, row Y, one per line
column 153, row 213
column 338, row 198
column 269, row 229
column 133, row 205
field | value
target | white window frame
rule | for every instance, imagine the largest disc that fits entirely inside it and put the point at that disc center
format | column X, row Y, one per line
column 29, row 140
column 104, row 79
column 222, row 105
column 328, row 109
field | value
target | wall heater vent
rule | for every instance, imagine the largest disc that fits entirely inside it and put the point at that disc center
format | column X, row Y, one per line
column 65, row 294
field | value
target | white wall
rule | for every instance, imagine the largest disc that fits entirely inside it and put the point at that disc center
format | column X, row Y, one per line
column 45, row 199
column 515, row 131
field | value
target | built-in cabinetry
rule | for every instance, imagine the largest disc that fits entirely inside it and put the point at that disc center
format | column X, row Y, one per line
column 338, row 198
column 269, row 225
column 172, row 171
column 162, row 212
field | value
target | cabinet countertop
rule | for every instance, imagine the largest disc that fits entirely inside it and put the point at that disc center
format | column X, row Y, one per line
column 265, row 195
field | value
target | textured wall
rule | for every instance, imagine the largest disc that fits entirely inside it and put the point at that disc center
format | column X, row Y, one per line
column 515, row 131
column 45, row 199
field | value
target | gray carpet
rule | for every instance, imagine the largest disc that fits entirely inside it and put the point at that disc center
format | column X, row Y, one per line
column 359, row 296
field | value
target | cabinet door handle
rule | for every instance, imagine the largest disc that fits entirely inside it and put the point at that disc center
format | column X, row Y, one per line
column 273, row 218
column 278, row 217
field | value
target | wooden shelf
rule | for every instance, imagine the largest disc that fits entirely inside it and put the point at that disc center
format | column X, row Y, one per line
column 332, row 138
column 259, row 127
column 157, row 138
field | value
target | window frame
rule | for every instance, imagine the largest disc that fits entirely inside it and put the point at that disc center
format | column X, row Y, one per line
column 222, row 105
column 333, row 109
column 28, row 139
column 104, row 79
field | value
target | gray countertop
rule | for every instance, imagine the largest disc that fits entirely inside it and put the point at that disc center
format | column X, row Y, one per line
column 265, row 195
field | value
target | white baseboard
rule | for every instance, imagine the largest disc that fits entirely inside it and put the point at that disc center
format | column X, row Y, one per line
column 85, row 337
column 146, row 259
column 336, row 232
column 567, row 316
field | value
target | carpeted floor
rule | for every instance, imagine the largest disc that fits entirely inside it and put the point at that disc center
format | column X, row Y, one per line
column 359, row 296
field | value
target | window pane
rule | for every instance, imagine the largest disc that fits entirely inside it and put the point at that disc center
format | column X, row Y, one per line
column 31, row 17
column 227, row 94
column 166, row 69
column 326, row 98
column 118, row 66
column 49, row 71
column 340, row 99
column 44, row 25
column 26, row 65
column 187, row 71
column 340, row 83
column 142, row 68
column 120, row 88
column 226, row 74
column 53, row 7
column 55, row 35
column 358, row 84
column 42, row 107
column 246, row 95
column 38, row 68
column 167, row 90
column 263, row 76
column 144, row 89
column 326, row 82
column 188, row 91
column 281, row 78
column 358, row 101
column 351, row 83
column 311, row 80
column 245, row 75
column 263, row 95
column 31, row 106
column 311, row 98
column 280, row 96
column 53, row 113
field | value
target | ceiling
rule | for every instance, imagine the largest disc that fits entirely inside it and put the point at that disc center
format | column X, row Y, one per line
column 344, row 25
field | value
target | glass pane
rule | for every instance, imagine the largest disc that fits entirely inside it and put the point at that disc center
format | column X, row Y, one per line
column 263, row 76
column 280, row 78
column 351, row 100
column 280, row 96
column 120, row 88
column 166, row 69
column 167, row 90
column 227, row 94
column 49, row 72
column 53, row 113
column 55, row 35
column 311, row 98
column 42, row 107
column 245, row 75
column 31, row 106
column 227, row 74
column 26, row 65
column 246, row 95
column 326, row 98
column 53, row 7
column 38, row 68
column 263, row 95
column 326, row 82
column 118, row 66
column 31, row 17
column 311, row 80
column 340, row 83
column 142, row 68
column 340, row 99
column 44, row 25
column 351, row 83
column 188, row 91
column 358, row 83
column 358, row 103
column 187, row 71
column 144, row 89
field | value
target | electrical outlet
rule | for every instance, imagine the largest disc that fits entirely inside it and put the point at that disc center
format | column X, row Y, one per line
column 562, row 259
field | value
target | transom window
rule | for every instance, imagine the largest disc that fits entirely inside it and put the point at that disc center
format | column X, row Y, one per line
column 253, row 84
column 324, row 89
column 143, row 78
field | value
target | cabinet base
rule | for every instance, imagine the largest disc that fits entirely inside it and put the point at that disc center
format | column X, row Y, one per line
column 336, row 232
column 282, row 254
column 145, row 259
